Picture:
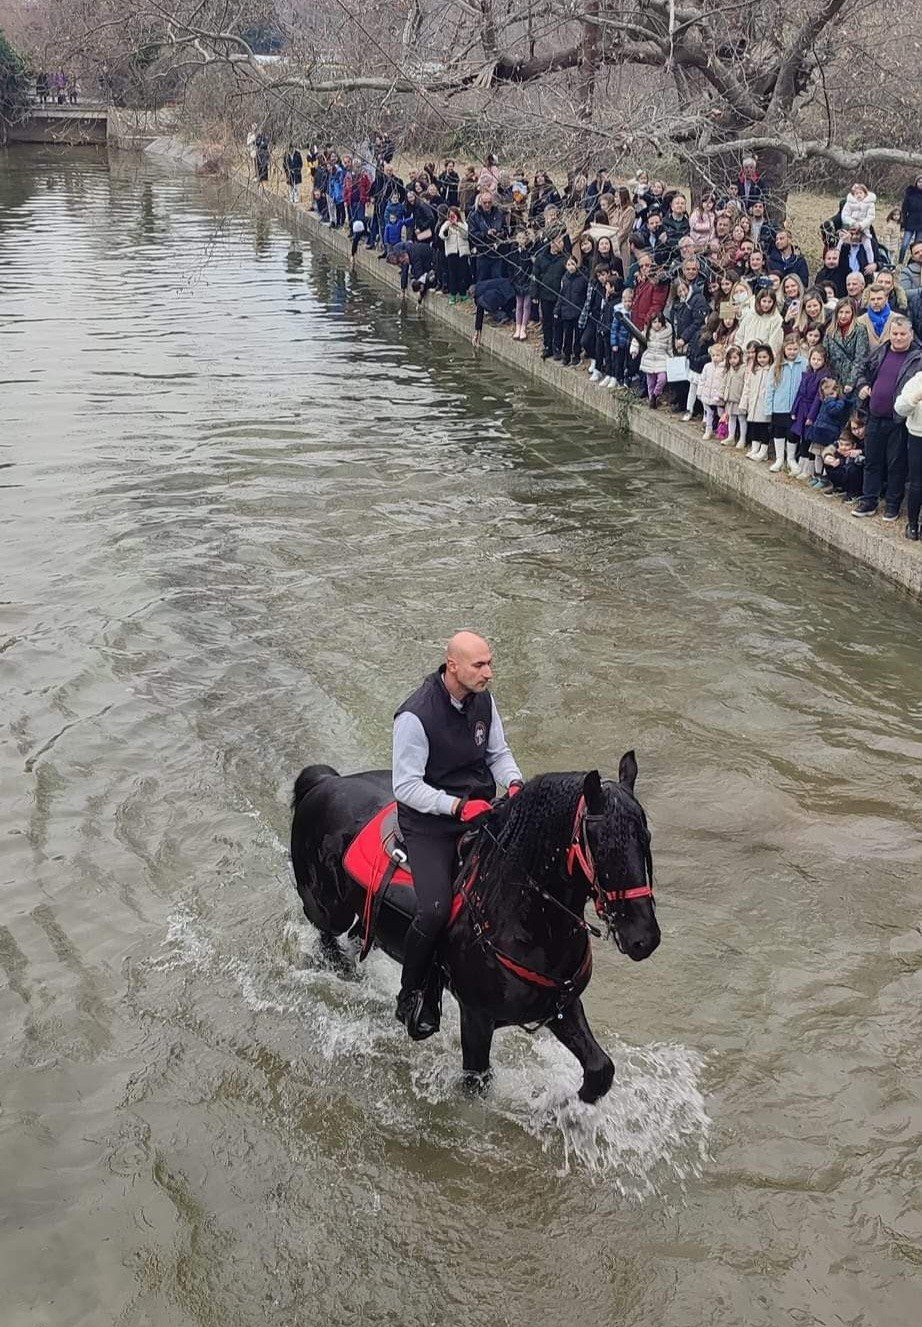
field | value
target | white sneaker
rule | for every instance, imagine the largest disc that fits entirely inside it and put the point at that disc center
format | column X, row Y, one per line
column 686, row 417
column 741, row 445
column 706, row 435
column 594, row 375
column 607, row 382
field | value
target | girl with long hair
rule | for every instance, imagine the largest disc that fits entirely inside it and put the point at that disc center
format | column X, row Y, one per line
column 782, row 390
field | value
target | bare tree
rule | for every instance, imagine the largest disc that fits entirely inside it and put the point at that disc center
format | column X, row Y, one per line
column 709, row 80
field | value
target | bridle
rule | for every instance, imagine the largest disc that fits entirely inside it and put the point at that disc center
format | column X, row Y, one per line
column 579, row 854
column 609, row 904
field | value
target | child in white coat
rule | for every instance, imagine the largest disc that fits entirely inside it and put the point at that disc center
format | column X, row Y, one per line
column 709, row 388
column 859, row 208
column 653, row 360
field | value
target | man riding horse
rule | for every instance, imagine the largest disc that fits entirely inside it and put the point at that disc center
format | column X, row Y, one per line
column 449, row 753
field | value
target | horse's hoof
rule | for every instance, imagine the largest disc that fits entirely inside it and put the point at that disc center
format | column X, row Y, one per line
column 335, row 959
column 475, row 1086
column 596, row 1085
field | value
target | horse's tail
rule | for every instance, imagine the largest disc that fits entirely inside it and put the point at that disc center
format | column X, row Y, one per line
column 309, row 777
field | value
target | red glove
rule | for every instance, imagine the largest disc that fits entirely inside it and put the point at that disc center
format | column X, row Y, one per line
column 471, row 810
column 513, row 789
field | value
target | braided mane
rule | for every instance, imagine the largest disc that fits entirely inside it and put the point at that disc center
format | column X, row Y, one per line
column 532, row 830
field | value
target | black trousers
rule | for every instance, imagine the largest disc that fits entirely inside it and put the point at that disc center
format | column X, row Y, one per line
column 603, row 354
column 550, row 326
column 434, row 862
column 458, row 274
column 569, row 339
column 885, row 460
column 914, row 491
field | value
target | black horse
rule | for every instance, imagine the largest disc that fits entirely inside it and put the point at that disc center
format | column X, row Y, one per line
column 518, row 950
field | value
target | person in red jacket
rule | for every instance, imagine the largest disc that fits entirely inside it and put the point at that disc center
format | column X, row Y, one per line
column 356, row 190
column 651, row 291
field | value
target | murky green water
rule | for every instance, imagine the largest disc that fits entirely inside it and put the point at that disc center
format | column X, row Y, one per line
column 243, row 500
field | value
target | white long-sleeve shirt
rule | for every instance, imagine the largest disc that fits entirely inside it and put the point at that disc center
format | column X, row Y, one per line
column 411, row 752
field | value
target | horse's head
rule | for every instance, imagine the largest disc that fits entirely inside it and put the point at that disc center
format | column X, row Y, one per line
column 611, row 844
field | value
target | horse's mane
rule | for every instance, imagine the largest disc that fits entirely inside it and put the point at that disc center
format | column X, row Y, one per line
column 531, row 832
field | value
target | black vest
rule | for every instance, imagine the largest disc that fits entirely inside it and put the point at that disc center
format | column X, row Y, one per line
column 458, row 740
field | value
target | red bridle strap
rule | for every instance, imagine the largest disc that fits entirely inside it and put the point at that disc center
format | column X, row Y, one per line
column 578, row 851
column 580, row 854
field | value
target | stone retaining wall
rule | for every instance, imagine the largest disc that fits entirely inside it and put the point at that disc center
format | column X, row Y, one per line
column 824, row 520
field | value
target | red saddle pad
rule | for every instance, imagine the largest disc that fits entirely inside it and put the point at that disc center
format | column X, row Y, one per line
column 368, row 855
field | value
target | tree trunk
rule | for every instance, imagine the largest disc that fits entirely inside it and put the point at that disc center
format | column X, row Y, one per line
column 589, row 64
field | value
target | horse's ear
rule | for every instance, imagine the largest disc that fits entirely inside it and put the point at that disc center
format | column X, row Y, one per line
column 592, row 791
column 627, row 770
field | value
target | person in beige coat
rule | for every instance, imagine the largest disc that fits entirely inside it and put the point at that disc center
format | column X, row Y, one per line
column 622, row 218
column 753, row 403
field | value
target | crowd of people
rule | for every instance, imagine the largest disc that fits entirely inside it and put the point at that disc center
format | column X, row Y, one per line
column 705, row 303
column 59, row 87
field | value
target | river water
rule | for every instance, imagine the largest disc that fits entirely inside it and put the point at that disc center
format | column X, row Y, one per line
column 243, row 501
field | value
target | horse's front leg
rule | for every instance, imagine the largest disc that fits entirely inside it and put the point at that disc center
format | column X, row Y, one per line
column 573, row 1031
column 477, row 1031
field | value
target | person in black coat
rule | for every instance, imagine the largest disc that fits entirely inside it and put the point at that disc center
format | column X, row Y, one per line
column 423, row 217
column 604, row 350
column 543, row 195
column 487, row 229
column 688, row 314
column 548, row 268
column 591, row 316
column 495, row 296
column 448, row 182
column 911, row 213
column 293, row 166
column 831, row 271
column 569, row 306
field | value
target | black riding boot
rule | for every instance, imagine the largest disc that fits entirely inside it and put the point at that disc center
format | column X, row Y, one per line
column 417, row 1005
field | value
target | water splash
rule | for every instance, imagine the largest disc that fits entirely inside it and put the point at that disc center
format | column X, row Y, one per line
column 648, row 1136
column 650, row 1133
column 185, row 944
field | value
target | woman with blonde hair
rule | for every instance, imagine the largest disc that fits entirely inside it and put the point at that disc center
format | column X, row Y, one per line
column 792, row 298
column 812, row 313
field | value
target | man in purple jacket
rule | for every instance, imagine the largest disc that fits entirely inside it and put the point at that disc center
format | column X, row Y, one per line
column 883, row 376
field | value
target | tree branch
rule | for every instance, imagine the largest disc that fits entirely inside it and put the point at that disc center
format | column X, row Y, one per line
column 808, row 149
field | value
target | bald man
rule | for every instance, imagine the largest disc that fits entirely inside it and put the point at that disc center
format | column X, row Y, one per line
column 450, row 752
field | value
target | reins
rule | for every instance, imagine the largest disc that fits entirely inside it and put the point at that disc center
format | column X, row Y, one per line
column 579, row 855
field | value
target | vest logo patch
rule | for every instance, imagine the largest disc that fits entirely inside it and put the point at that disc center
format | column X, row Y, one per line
column 480, row 732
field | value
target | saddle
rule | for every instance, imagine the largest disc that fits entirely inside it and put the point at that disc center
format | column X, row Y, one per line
column 376, row 859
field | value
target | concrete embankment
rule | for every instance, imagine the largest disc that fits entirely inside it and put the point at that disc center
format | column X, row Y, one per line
column 825, row 520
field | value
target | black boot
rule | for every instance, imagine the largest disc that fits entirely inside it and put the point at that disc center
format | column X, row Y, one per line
column 417, row 1004
column 912, row 531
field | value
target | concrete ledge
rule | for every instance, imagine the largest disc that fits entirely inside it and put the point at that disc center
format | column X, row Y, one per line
column 822, row 520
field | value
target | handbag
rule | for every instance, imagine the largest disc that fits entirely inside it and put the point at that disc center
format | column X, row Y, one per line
column 723, row 427
column 676, row 368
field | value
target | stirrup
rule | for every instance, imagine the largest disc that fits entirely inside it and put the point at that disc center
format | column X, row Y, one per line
column 420, row 1019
